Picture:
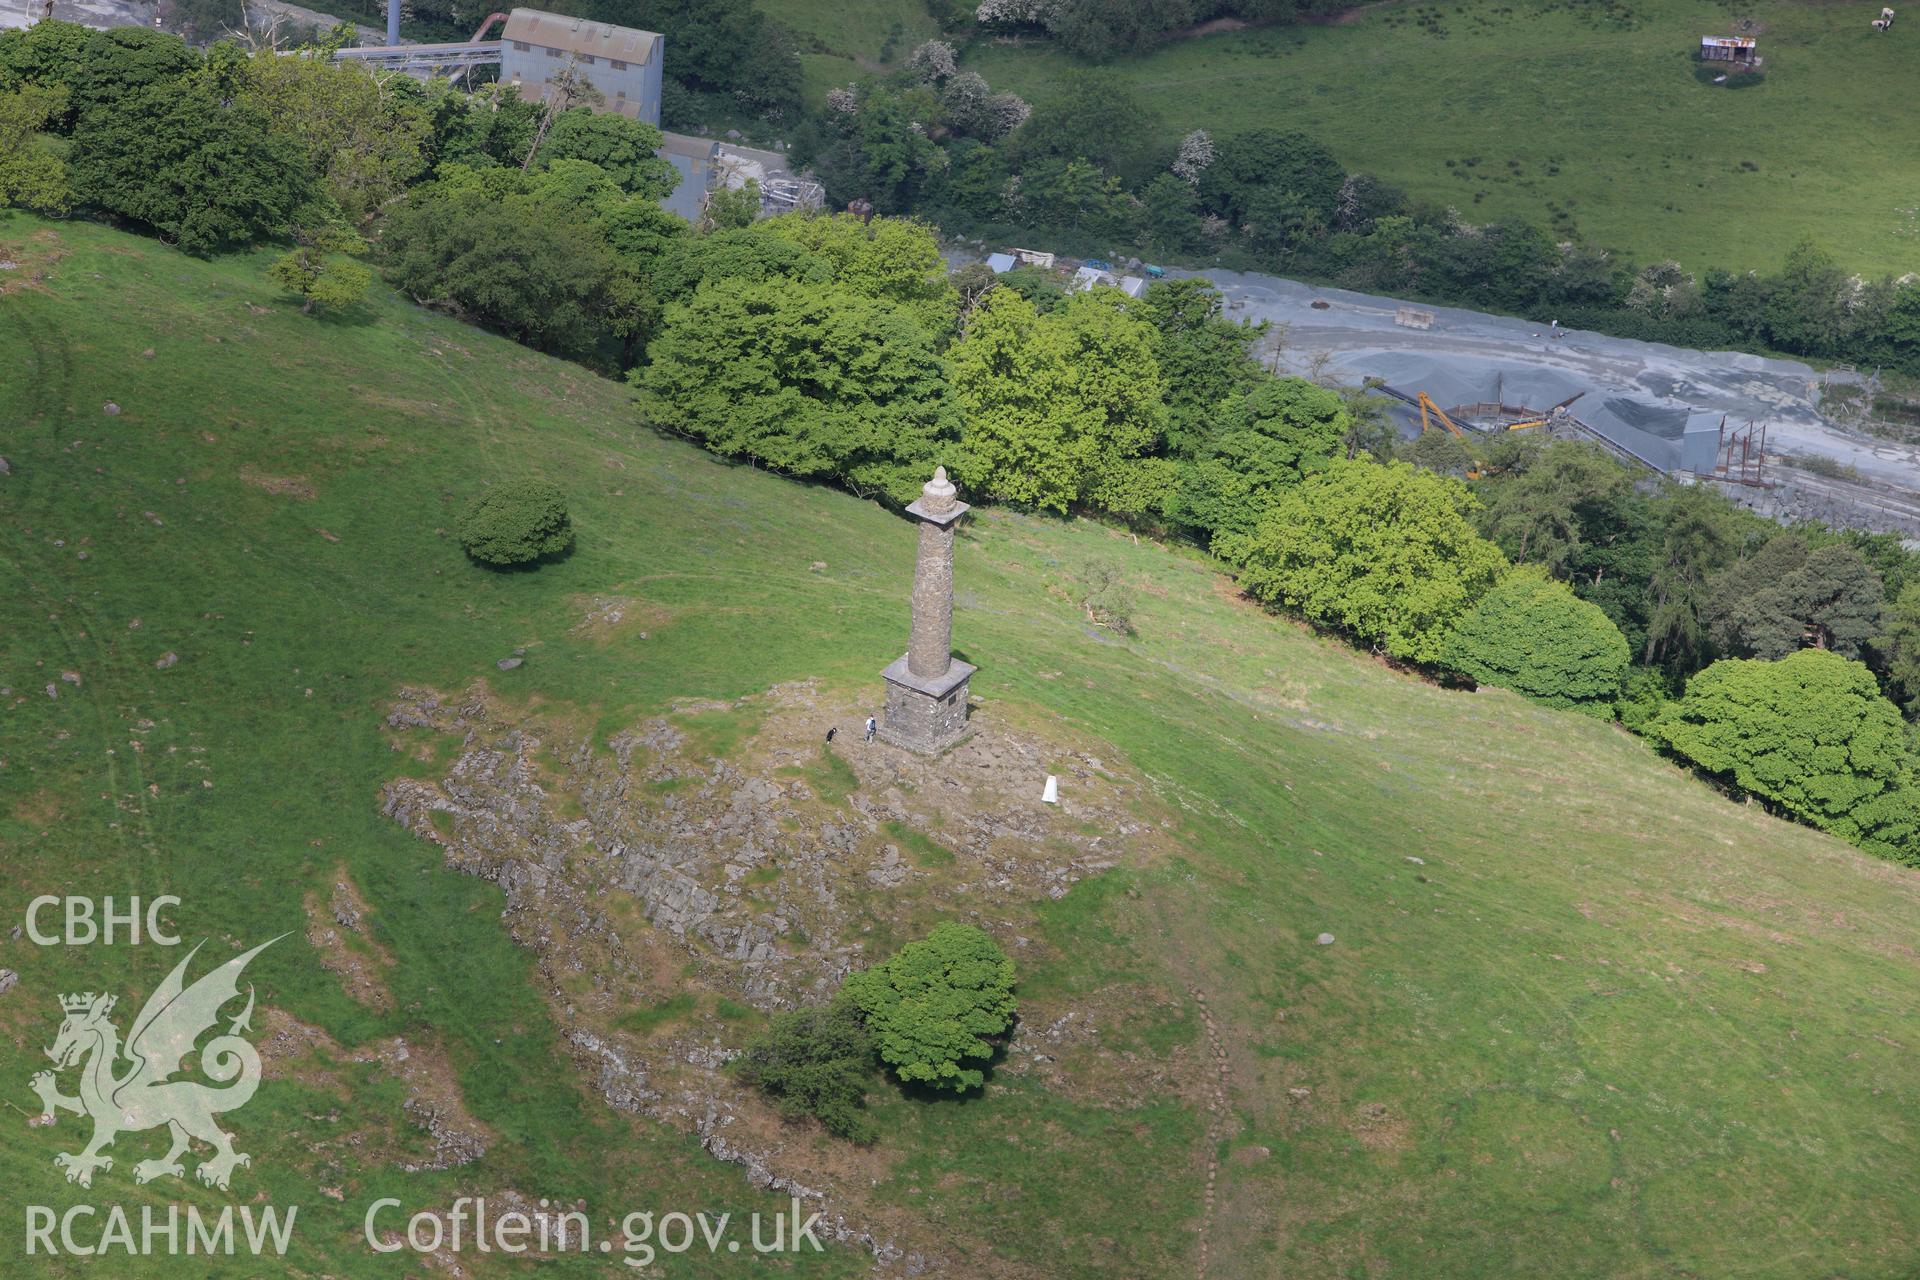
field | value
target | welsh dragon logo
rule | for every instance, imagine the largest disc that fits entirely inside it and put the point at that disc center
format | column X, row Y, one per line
column 128, row 1088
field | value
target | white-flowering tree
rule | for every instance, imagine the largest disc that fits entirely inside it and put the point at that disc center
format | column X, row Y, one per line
column 843, row 101
column 933, row 61
column 1195, row 154
column 1014, row 13
column 1007, row 111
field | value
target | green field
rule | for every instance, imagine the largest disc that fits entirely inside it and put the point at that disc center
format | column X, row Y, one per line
column 1499, row 108
column 844, row 41
column 1583, row 1016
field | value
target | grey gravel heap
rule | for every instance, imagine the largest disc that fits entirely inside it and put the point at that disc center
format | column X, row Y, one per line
column 926, row 687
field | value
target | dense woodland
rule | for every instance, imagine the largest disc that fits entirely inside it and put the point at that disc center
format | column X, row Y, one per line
column 1775, row 660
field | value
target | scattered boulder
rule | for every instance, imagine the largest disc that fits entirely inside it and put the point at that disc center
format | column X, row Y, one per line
column 1418, row 862
column 891, row 872
column 53, row 691
column 71, row 677
column 111, row 409
column 147, row 354
column 508, row 664
column 6, row 468
column 8, row 980
column 1325, row 939
column 165, row 660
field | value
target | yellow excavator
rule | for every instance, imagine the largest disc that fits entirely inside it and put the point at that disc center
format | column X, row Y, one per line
column 1427, row 406
column 1431, row 412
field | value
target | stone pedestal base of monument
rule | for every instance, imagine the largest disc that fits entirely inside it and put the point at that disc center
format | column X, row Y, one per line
column 925, row 715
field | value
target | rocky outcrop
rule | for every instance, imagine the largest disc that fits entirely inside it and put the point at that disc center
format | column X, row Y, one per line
column 766, row 871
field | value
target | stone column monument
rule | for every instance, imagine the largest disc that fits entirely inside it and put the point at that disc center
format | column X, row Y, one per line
column 927, row 689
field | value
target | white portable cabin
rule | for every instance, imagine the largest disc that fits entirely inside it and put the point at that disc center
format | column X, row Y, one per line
column 1741, row 49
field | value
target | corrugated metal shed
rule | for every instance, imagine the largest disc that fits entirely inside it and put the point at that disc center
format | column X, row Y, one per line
column 577, row 35
column 1700, row 441
column 1001, row 262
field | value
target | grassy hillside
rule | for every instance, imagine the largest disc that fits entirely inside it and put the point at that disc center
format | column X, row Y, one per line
column 1582, row 1016
column 1506, row 109
column 843, row 41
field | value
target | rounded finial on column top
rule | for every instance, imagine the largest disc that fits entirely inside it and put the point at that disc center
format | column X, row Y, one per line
column 937, row 495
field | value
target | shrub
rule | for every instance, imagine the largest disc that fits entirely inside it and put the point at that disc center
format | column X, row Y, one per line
column 1642, row 700
column 936, row 1004
column 1810, row 734
column 1105, row 595
column 1534, row 636
column 816, row 1062
column 519, row 522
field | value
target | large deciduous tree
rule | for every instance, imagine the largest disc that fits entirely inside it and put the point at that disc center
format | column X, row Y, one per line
column 627, row 151
column 204, row 173
column 1785, row 596
column 815, row 381
column 1062, row 408
column 1266, row 176
column 936, row 1006
column 1810, row 734
column 1094, row 116
column 1386, row 553
column 1204, row 357
column 365, row 141
column 751, row 254
column 1266, row 440
column 1531, row 634
column 507, row 262
column 895, row 260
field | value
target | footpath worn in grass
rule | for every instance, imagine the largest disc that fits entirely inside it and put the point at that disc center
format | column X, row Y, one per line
column 1525, row 108
column 1582, row 1016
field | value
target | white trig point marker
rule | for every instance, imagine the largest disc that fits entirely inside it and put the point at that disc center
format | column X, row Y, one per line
column 1051, row 795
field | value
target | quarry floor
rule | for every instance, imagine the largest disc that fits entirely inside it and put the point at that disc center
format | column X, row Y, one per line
column 1639, row 394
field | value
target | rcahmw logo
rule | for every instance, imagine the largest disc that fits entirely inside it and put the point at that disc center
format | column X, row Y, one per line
column 128, row 1086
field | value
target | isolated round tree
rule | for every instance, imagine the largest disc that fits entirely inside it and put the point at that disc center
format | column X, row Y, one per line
column 1534, row 636
column 1809, row 734
column 936, row 1005
column 518, row 522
